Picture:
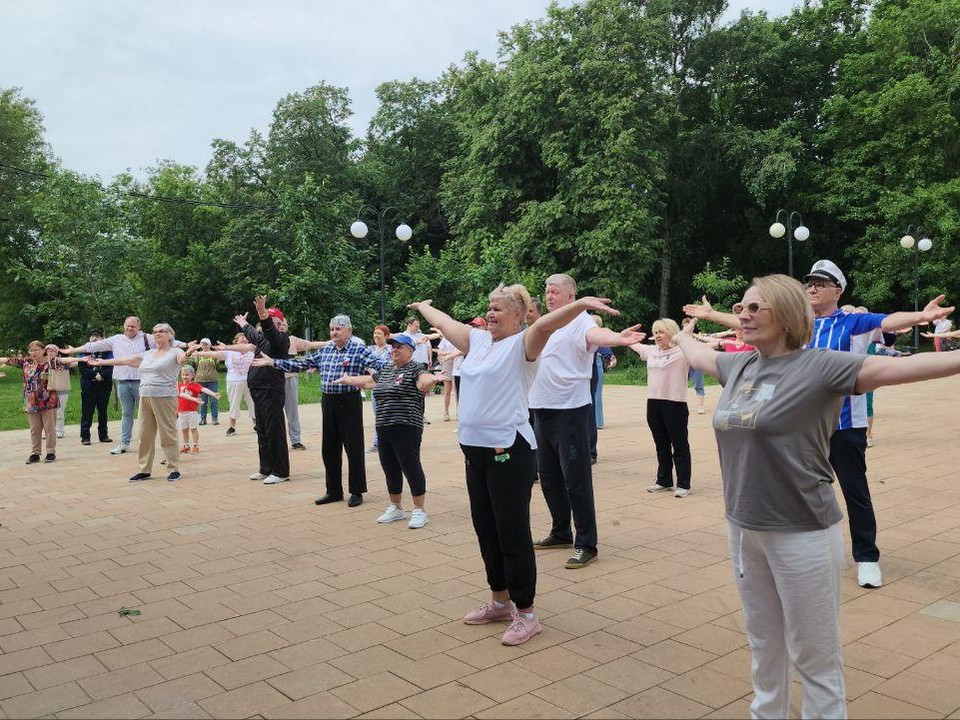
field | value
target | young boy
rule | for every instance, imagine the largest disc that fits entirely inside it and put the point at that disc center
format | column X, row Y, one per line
column 188, row 417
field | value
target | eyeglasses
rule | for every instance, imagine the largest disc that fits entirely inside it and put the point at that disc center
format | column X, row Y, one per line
column 819, row 284
column 752, row 308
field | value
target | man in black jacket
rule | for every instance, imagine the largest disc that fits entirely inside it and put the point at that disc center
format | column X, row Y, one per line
column 96, row 383
column 267, row 389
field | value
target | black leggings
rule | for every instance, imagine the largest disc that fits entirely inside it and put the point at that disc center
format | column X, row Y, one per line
column 399, row 449
column 668, row 424
column 500, row 507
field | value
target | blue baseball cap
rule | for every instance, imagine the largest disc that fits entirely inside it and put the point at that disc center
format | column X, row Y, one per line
column 402, row 339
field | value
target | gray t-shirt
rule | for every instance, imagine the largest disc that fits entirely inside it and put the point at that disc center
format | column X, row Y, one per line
column 773, row 425
column 158, row 373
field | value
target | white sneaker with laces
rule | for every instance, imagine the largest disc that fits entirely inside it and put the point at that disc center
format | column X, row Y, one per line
column 660, row 488
column 274, row 479
column 120, row 449
column 681, row 492
column 392, row 513
column 258, row 476
column 868, row 575
column 418, row 518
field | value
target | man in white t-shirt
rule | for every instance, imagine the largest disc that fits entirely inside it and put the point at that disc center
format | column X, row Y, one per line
column 561, row 404
column 421, row 352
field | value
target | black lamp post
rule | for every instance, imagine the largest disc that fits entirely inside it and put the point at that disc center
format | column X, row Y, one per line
column 907, row 242
column 797, row 231
column 359, row 230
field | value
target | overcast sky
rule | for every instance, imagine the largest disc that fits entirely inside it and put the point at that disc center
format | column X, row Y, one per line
column 123, row 83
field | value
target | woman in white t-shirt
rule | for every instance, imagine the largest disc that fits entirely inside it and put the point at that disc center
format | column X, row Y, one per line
column 667, row 413
column 237, row 363
column 498, row 444
column 159, row 370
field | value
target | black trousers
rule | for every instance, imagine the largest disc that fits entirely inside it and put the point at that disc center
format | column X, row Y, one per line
column 848, row 456
column 566, row 478
column 343, row 430
column 95, row 396
column 271, row 431
column 592, row 421
column 499, row 491
column 667, row 420
column 399, row 449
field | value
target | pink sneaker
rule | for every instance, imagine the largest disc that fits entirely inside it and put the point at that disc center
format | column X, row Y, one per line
column 488, row 613
column 522, row 629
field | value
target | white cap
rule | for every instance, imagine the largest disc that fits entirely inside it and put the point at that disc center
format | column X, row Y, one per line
column 828, row 270
column 205, row 341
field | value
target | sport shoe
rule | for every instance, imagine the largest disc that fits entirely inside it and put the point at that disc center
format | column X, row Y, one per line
column 581, row 558
column 298, row 446
column 656, row 487
column 488, row 613
column 550, row 542
column 174, row 476
column 231, row 431
column 869, row 442
column 371, row 449
column 120, row 449
column 274, row 479
column 33, row 459
column 50, row 457
column 701, row 411
column 258, row 476
column 868, row 575
column 185, row 449
column 139, row 477
column 196, row 450
column 521, row 629
column 681, row 492
column 60, row 433
column 418, row 518
column 392, row 513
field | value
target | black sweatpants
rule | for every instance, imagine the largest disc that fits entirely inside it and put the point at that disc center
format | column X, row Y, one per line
column 848, row 456
column 95, row 396
column 592, row 420
column 271, row 431
column 667, row 420
column 399, row 449
column 343, row 430
column 499, row 493
column 566, row 477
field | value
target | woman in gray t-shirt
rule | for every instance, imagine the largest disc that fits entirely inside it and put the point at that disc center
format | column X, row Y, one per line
column 158, row 400
column 773, row 422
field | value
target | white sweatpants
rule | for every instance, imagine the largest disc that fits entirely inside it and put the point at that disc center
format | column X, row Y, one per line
column 789, row 585
column 237, row 390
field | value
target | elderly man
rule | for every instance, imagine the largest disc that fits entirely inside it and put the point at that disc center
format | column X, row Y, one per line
column 562, row 407
column 836, row 329
column 132, row 341
column 340, row 406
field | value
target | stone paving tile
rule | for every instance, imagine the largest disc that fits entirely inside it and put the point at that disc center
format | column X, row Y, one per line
column 375, row 691
column 121, row 706
column 580, row 695
column 66, row 671
column 245, row 701
column 45, row 702
column 452, row 700
column 319, row 705
column 299, row 684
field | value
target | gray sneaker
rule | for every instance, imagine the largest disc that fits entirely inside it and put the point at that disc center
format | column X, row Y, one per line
column 120, row 449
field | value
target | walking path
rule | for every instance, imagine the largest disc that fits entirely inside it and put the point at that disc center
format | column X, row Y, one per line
column 254, row 602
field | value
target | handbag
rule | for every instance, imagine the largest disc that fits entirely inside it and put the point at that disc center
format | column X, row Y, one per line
column 58, row 380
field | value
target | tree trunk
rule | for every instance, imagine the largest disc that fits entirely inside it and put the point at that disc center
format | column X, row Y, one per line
column 666, row 271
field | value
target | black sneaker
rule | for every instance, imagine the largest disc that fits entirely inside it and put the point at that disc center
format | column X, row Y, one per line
column 231, row 431
column 139, row 477
column 581, row 557
column 105, row 440
column 216, row 422
column 203, row 422
column 550, row 542
column 174, row 476
column 298, row 446
column 50, row 458
column 85, row 441
column 33, row 459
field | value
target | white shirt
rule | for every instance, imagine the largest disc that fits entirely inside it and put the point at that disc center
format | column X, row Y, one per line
column 566, row 366
column 121, row 346
column 238, row 365
column 421, row 351
column 495, row 381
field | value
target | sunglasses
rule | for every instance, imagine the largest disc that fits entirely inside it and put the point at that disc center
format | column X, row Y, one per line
column 752, row 308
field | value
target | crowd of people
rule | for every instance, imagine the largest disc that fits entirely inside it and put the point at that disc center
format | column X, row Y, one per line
column 795, row 371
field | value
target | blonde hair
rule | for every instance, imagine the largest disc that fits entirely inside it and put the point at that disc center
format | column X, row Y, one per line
column 598, row 320
column 849, row 308
column 164, row 326
column 667, row 325
column 789, row 305
column 563, row 280
column 513, row 296
column 236, row 337
column 36, row 344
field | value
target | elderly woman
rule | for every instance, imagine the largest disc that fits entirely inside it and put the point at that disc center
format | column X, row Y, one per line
column 383, row 352
column 667, row 412
column 39, row 402
column 398, row 391
column 498, row 444
column 159, row 369
column 773, row 423
column 237, row 359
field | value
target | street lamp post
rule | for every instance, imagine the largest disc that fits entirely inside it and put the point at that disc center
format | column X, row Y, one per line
column 359, row 230
column 907, row 242
column 793, row 231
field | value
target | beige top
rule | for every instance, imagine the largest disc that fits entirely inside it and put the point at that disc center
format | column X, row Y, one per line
column 667, row 372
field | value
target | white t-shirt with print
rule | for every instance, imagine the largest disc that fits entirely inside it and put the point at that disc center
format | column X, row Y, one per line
column 566, row 366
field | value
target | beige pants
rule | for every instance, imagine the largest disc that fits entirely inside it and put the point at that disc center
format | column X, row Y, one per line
column 43, row 423
column 158, row 415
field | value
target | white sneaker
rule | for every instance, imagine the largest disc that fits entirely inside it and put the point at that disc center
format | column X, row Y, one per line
column 868, row 575
column 660, row 488
column 274, row 479
column 869, row 442
column 701, row 411
column 60, row 433
column 681, row 492
column 392, row 513
column 418, row 518
column 258, row 476
column 120, row 449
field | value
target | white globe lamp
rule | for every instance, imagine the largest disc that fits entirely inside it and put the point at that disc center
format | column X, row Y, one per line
column 802, row 233
column 404, row 232
column 907, row 241
column 924, row 244
column 359, row 229
column 777, row 230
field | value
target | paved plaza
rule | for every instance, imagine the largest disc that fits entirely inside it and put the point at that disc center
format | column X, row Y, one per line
column 255, row 603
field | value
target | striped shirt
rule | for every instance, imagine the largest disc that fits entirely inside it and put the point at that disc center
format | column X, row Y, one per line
column 332, row 363
column 399, row 402
column 847, row 332
column 122, row 346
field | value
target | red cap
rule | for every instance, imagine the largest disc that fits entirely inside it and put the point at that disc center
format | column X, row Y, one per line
column 478, row 322
column 275, row 313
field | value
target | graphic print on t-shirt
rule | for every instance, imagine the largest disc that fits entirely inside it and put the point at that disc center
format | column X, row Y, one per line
column 744, row 409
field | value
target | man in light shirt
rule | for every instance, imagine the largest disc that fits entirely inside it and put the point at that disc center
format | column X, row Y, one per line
column 562, row 406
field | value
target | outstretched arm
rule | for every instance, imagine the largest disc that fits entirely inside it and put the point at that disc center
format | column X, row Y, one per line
column 705, row 311
column 931, row 313
column 878, row 370
column 536, row 335
column 192, row 398
column 131, row 360
column 700, row 356
column 364, row 382
column 456, row 332
column 603, row 337
column 428, row 380
column 217, row 354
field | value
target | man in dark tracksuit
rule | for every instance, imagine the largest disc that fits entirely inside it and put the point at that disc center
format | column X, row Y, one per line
column 96, row 383
column 267, row 390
